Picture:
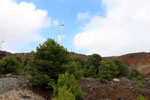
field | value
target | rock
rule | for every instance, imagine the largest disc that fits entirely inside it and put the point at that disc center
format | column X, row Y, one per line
column 85, row 94
column 147, row 79
column 104, row 81
column 116, row 80
column 90, row 79
column 26, row 96
column 19, row 95
column 8, row 75
column 17, row 89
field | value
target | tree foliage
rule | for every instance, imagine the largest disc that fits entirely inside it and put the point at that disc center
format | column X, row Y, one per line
column 27, row 60
column 108, row 70
column 10, row 64
column 94, row 60
column 64, row 94
column 136, row 75
column 92, row 64
column 68, row 82
column 75, row 68
column 122, row 68
column 91, row 72
column 79, row 60
column 48, row 63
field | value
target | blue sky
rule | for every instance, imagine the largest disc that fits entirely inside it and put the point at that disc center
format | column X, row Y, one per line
column 106, row 27
column 66, row 10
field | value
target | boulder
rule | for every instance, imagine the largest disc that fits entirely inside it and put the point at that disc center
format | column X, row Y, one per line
column 116, row 80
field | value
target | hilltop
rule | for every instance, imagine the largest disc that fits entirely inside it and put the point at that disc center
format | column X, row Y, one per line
column 140, row 60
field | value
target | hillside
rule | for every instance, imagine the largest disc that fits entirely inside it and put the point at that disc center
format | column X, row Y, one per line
column 140, row 61
column 93, row 89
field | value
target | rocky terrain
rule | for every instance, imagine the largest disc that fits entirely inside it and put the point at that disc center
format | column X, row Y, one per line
column 14, row 87
column 123, row 89
column 19, row 94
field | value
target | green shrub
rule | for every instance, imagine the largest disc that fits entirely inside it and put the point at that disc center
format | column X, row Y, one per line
column 140, row 98
column 41, row 80
column 10, row 64
column 27, row 68
column 92, row 64
column 122, row 68
column 91, row 72
column 67, row 80
column 75, row 68
column 140, row 85
column 108, row 70
column 48, row 62
column 94, row 60
column 64, row 94
column 26, row 62
column 136, row 75
column 79, row 60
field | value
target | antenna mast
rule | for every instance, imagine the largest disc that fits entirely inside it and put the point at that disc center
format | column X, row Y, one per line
column 62, row 26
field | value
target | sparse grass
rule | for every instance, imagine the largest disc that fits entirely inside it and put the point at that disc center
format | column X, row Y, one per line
column 140, row 85
column 140, row 98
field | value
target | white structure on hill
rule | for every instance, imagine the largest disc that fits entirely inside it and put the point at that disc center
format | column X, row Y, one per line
column 1, row 43
column 61, row 37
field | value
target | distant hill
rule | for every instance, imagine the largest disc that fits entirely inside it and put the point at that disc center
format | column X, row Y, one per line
column 140, row 60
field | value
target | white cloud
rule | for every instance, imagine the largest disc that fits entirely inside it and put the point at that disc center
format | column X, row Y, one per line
column 55, row 22
column 20, row 23
column 125, row 29
column 83, row 16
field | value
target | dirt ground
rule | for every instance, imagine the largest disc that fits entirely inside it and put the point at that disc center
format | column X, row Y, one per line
column 109, row 90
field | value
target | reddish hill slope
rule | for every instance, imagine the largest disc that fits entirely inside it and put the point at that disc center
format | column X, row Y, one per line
column 140, row 61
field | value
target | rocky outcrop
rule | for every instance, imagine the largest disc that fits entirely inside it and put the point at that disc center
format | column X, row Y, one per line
column 11, row 82
column 20, row 94
column 5, row 53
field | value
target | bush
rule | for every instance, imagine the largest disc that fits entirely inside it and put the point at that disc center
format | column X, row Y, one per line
column 140, row 85
column 27, row 66
column 75, row 68
column 108, row 70
column 136, row 75
column 94, row 60
column 68, row 82
column 92, row 64
column 10, row 64
column 141, row 98
column 26, row 62
column 41, row 80
column 48, row 62
column 91, row 72
column 79, row 60
column 123, row 69
column 64, row 94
